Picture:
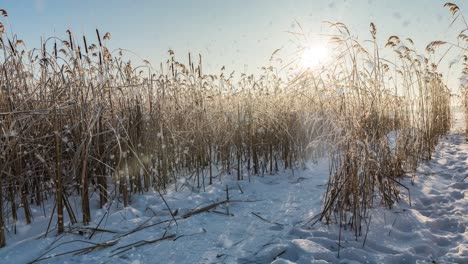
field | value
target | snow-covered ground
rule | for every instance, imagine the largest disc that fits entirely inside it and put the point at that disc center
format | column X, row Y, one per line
column 267, row 221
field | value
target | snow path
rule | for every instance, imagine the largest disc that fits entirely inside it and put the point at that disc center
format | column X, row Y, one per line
column 273, row 228
column 442, row 206
column 432, row 230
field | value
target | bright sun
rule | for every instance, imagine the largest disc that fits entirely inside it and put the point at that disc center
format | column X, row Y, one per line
column 314, row 56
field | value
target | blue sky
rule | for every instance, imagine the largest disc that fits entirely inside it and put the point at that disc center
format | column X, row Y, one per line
column 232, row 33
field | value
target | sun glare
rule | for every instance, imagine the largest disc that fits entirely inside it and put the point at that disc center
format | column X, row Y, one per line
column 314, row 56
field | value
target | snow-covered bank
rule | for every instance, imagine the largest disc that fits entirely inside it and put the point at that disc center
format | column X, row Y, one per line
column 267, row 222
column 270, row 207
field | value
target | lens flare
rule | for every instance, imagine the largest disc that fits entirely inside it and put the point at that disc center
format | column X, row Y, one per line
column 314, row 56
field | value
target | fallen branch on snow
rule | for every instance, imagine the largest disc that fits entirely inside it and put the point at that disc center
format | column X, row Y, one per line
column 266, row 220
column 95, row 246
column 140, row 243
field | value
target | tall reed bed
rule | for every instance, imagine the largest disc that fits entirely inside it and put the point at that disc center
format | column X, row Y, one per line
column 461, row 45
column 77, row 119
column 391, row 116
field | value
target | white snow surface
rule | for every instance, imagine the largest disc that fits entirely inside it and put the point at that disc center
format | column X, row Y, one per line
column 271, row 225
